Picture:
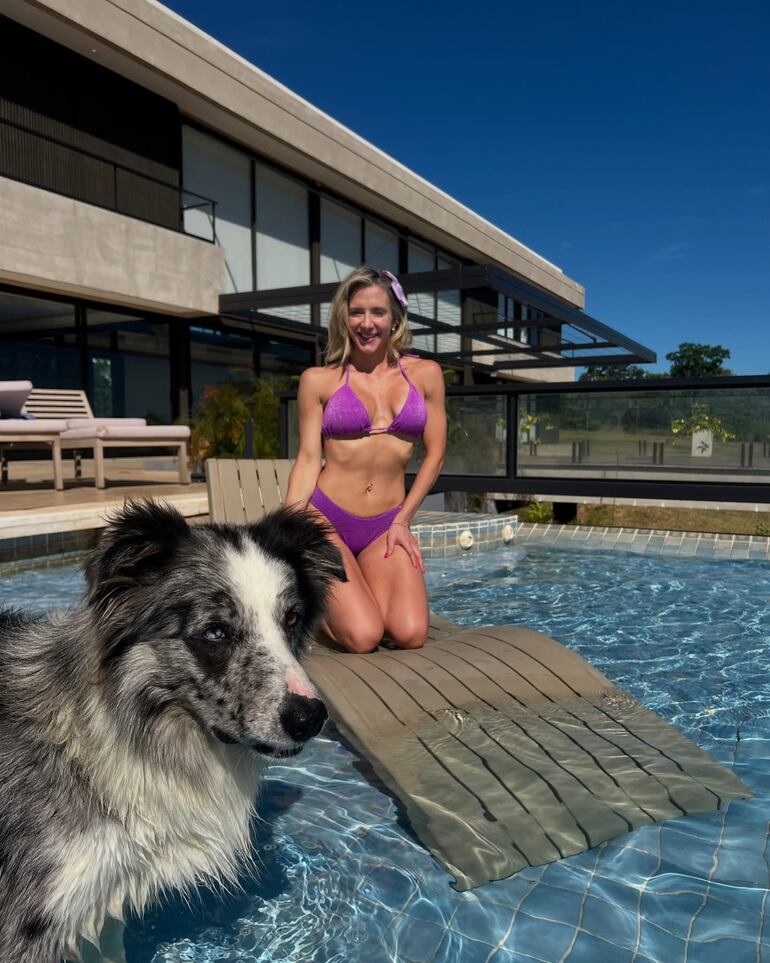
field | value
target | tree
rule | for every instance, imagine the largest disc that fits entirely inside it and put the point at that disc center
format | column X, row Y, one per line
column 691, row 360
column 613, row 372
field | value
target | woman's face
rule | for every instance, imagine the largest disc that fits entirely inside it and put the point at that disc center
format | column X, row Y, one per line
column 369, row 318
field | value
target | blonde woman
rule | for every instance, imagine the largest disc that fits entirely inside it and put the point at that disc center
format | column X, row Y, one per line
column 362, row 413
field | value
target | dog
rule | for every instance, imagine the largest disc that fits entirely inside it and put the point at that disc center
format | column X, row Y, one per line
column 135, row 728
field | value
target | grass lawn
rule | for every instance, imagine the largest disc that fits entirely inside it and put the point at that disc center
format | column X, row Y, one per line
column 675, row 519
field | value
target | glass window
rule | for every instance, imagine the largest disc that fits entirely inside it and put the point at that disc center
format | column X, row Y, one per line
column 283, row 250
column 128, row 367
column 340, row 241
column 38, row 342
column 380, row 247
column 222, row 173
column 448, row 311
column 422, row 303
column 218, row 357
column 290, row 312
column 281, row 360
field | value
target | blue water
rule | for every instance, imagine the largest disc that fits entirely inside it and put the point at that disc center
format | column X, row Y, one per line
column 343, row 880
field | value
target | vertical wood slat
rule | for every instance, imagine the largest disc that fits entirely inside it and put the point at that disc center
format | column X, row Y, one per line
column 283, row 468
column 243, row 490
column 268, row 484
column 253, row 509
column 231, row 492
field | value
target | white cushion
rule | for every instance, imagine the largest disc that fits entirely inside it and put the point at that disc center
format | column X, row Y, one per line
column 101, row 422
column 172, row 433
column 35, row 426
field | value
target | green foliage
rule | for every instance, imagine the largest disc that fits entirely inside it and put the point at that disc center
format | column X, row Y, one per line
column 538, row 512
column 701, row 419
column 219, row 424
column 612, row 372
column 528, row 422
column 762, row 530
column 692, row 360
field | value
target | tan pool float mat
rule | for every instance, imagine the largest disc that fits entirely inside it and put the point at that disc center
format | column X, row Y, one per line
column 509, row 750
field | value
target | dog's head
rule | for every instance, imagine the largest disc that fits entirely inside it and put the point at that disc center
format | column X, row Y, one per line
column 213, row 619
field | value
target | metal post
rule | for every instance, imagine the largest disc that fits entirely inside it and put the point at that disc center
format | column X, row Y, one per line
column 283, row 428
column 248, row 440
column 512, row 434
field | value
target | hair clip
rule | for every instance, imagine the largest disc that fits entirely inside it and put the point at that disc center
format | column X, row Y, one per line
column 398, row 291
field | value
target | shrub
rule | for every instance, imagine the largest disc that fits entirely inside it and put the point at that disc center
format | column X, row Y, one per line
column 218, row 427
column 539, row 512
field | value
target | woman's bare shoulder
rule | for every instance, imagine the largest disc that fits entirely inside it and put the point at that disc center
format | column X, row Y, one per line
column 427, row 371
column 319, row 376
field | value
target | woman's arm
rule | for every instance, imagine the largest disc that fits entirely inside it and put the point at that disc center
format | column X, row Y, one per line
column 434, row 446
column 307, row 465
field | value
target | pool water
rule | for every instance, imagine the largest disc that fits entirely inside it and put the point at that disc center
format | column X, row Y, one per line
column 342, row 878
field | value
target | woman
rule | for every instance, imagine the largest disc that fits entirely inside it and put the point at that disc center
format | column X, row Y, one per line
column 364, row 411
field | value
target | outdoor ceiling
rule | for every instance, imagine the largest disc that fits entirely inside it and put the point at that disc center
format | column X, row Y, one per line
column 566, row 335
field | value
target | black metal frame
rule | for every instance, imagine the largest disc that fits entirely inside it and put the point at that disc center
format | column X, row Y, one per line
column 557, row 313
column 579, row 487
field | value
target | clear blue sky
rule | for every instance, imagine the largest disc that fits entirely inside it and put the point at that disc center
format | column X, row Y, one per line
column 627, row 143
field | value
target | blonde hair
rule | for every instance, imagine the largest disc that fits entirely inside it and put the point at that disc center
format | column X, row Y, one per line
column 340, row 344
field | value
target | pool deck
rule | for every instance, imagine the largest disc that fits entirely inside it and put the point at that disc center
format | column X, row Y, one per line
column 39, row 525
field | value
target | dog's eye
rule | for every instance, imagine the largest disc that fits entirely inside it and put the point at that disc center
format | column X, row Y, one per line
column 291, row 617
column 215, row 633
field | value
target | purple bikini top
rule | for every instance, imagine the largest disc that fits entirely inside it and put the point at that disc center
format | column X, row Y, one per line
column 345, row 415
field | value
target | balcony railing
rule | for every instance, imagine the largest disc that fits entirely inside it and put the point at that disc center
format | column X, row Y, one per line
column 706, row 440
column 53, row 165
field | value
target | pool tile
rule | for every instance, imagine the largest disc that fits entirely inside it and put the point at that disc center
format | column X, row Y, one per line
column 590, row 949
column 656, row 943
column 388, row 886
column 608, row 921
column 413, row 941
column 483, row 922
column 422, row 908
column 461, row 949
column 552, row 903
column 724, row 951
column 539, row 939
column 674, row 910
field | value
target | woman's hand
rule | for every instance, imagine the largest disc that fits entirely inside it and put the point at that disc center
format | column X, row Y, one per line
column 399, row 534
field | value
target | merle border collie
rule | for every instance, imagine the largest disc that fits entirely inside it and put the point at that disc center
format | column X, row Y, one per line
column 135, row 728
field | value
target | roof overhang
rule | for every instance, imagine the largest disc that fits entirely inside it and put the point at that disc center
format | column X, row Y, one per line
column 577, row 339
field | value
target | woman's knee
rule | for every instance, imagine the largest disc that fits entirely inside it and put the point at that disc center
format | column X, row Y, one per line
column 409, row 634
column 361, row 637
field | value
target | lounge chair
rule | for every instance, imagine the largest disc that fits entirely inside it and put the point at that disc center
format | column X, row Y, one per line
column 18, row 432
column 506, row 748
column 82, row 431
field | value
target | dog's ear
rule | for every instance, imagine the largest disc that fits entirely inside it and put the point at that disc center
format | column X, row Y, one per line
column 300, row 539
column 139, row 539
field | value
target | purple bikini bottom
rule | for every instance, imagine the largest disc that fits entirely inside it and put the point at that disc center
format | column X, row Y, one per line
column 356, row 531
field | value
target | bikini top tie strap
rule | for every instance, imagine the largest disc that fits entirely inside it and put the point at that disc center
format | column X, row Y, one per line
column 403, row 371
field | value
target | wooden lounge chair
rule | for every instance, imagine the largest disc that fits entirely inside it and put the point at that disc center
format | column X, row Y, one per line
column 18, row 432
column 243, row 490
column 506, row 748
column 82, row 431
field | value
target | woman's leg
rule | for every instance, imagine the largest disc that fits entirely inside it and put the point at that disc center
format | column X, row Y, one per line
column 353, row 617
column 399, row 589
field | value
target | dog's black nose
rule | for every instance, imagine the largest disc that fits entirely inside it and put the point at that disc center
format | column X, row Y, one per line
column 302, row 718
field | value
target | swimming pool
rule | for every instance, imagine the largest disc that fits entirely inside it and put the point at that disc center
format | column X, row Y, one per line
column 343, row 880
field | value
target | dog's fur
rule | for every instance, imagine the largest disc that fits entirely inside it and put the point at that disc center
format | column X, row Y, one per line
column 134, row 729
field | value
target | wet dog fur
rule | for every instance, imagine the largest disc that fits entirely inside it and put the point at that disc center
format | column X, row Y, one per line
column 134, row 729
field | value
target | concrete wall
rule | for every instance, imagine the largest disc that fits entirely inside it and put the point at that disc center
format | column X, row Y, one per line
column 153, row 46
column 57, row 244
